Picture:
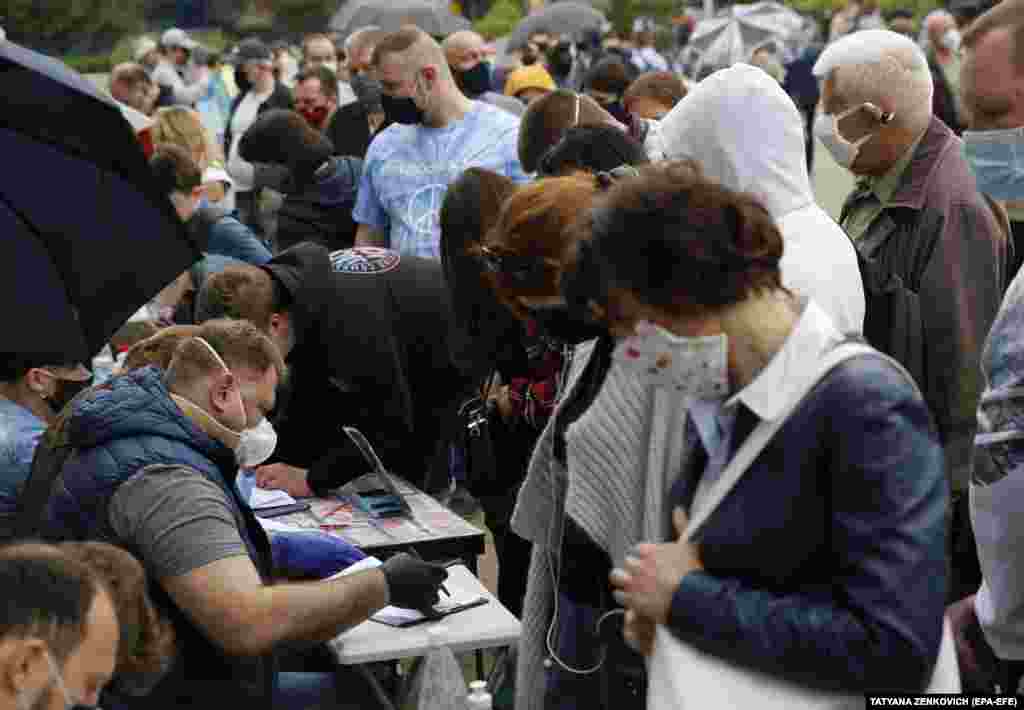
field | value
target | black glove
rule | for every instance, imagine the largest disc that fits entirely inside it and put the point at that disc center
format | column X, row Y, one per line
column 413, row 583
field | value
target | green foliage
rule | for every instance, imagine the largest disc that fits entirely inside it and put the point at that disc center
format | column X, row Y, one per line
column 56, row 21
column 291, row 16
column 827, row 7
column 501, row 19
column 623, row 12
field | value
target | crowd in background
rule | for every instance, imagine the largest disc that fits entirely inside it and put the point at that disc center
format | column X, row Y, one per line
column 623, row 276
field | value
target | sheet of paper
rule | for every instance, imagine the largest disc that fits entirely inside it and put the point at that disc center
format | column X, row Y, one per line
column 399, row 615
column 262, row 498
column 275, row 525
column 257, row 497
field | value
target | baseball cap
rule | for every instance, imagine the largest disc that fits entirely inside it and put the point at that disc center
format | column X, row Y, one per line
column 252, row 50
column 142, row 47
column 175, row 37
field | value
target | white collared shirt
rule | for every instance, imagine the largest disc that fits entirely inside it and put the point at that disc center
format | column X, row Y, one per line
column 767, row 395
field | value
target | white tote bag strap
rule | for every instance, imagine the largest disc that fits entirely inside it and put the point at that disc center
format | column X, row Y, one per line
column 763, row 433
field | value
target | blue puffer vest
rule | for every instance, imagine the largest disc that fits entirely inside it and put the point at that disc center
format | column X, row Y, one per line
column 116, row 430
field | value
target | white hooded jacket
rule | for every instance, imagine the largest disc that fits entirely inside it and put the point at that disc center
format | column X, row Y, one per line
column 748, row 135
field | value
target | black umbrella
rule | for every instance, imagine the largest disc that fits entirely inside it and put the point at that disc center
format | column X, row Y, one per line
column 557, row 18
column 431, row 16
column 87, row 236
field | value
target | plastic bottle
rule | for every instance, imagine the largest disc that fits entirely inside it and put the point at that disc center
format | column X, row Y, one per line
column 478, row 698
column 440, row 681
column 103, row 365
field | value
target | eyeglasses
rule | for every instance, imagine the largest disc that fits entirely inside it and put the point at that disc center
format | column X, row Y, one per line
column 521, row 270
column 607, row 178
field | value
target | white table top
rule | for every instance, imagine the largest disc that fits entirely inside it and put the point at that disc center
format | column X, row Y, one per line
column 485, row 626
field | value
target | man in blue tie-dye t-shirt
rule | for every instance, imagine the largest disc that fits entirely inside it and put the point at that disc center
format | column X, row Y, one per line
column 437, row 134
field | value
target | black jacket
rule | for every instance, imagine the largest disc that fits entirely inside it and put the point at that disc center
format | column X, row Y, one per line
column 934, row 266
column 943, row 99
column 280, row 98
column 371, row 330
column 321, row 212
column 349, row 130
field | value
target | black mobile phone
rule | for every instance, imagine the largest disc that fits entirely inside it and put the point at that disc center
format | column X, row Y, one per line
column 279, row 510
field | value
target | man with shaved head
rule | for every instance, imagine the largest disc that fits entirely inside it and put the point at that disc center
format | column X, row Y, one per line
column 467, row 54
column 437, row 133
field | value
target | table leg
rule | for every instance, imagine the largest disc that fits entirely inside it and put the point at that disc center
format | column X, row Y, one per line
column 378, row 690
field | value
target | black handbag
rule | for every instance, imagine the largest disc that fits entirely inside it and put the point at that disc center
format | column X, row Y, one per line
column 477, row 444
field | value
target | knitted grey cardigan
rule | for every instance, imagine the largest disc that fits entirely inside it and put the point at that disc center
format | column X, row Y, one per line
column 624, row 453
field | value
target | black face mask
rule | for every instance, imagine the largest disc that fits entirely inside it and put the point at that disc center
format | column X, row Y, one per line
column 560, row 323
column 475, row 81
column 560, row 61
column 401, row 110
column 368, row 91
column 618, row 112
column 66, row 391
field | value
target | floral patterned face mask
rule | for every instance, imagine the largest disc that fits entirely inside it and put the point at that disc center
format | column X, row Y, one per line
column 695, row 367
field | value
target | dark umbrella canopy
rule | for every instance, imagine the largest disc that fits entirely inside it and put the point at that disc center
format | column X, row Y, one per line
column 557, row 18
column 87, row 236
column 433, row 17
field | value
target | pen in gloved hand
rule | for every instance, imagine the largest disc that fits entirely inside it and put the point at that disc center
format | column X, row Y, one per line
column 412, row 551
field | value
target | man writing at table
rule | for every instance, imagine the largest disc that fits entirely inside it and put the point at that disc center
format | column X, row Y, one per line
column 365, row 334
column 153, row 470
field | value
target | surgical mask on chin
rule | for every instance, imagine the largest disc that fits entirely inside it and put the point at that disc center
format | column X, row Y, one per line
column 255, row 445
column 997, row 161
column 333, row 66
column 58, row 680
column 826, row 130
column 694, row 367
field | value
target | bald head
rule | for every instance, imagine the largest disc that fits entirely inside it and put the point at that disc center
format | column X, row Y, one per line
column 464, row 49
column 359, row 47
column 937, row 24
column 131, row 85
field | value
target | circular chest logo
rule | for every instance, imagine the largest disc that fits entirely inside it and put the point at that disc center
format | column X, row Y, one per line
column 364, row 260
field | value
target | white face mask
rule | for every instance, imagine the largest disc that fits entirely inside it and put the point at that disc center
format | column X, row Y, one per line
column 256, row 444
column 58, row 678
column 694, row 367
column 951, row 40
column 826, row 129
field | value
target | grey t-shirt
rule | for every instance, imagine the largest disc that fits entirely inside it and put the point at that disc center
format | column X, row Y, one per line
column 176, row 519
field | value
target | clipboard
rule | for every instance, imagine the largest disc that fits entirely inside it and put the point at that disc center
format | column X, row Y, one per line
column 436, row 616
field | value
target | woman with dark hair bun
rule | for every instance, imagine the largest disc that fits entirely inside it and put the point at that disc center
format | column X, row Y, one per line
column 823, row 563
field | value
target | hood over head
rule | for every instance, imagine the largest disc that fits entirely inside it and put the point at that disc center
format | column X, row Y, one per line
column 304, row 271
column 746, row 133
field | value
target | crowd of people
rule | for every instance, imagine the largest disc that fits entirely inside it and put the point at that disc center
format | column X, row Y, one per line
column 595, row 298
